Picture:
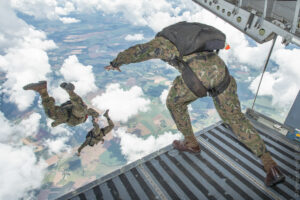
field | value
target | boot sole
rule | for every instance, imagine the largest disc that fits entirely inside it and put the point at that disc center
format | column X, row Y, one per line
column 67, row 86
column 275, row 182
column 186, row 149
column 38, row 85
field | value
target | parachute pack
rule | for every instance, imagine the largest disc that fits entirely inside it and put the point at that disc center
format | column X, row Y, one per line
column 196, row 37
column 193, row 37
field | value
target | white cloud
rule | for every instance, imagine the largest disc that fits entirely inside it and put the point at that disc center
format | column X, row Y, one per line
column 11, row 132
column 61, row 130
column 10, row 30
column 122, row 104
column 68, row 20
column 163, row 96
column 58, row 145
column 30, row 125
column 61, row 135
column 41, row 9
column 158, row 14
column 37, row 8
column 22, row 66
column 67, row 9
column 59, row 94
column 25, row 60
column 20, row 171
column 6, row 128
column 135, row 37
column 136, row 11
column 133, row 147
column 81, row 76
column 284, row 84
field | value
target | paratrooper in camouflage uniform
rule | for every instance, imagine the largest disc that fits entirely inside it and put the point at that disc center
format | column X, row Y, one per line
column 72, row 112
column 96, row 135
column 210, row 69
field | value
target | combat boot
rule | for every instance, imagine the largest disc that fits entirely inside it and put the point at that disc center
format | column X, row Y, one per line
column 189, row 144
column 67, row 86
column 38, row 87
column 93, row 113
column 274, row 175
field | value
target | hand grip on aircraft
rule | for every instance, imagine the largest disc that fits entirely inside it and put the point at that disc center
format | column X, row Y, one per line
column 109, row 67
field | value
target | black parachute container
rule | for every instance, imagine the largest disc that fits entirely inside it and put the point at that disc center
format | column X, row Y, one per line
column 193, row 37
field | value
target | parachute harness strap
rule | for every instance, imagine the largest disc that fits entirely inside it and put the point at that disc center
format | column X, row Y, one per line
column 264, row 69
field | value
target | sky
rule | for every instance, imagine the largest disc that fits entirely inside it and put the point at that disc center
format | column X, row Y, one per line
column 24, row 59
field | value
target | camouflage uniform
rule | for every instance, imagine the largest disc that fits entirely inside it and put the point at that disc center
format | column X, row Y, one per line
column 72, row 112
column 210, row 69
column 96, row 134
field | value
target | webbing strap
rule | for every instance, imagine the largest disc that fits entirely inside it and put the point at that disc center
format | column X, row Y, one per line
column 192, row 81
column 196, row 85
column 222, row 86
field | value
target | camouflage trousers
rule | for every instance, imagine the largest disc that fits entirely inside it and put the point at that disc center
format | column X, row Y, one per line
column 54, row 112
column 91, row 139
column 228, row 107
column 72, row 112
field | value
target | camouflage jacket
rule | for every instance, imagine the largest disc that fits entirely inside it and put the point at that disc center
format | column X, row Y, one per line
column 77, row 113
column 208, row 66
column 95, row 135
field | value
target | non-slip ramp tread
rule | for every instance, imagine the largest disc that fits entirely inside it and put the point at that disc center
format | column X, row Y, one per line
column 224, row 169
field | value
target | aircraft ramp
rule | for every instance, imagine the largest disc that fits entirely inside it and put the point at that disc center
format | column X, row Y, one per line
column 225, row 169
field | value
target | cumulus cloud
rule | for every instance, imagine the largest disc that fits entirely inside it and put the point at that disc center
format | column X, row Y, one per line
column 11, row 132
column 58, row 145
column 135, row 37
column 20, row 171
column 68, row 20
column 163, row 96
column 134, row 147
column 61, row 135
column 59, row 94
column 10, row 30
column 6, row 128
column 37, row 8
column 41, row 9
column 31, row 124
column 81, row 76
column 66, row 9
column 136, row 11
column 22, row 66
column 61, row 130
column 23, row 62
column 122, row 104
column 158, row 14
column 284, row 84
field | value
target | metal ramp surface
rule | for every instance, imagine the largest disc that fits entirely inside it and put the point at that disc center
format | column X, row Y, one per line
column 224, row 169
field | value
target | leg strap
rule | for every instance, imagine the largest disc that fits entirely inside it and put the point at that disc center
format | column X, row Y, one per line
column 196, row 85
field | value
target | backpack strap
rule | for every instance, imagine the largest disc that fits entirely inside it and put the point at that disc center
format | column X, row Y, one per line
column 222, row 86
column 196, row 85
column 191, row 80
